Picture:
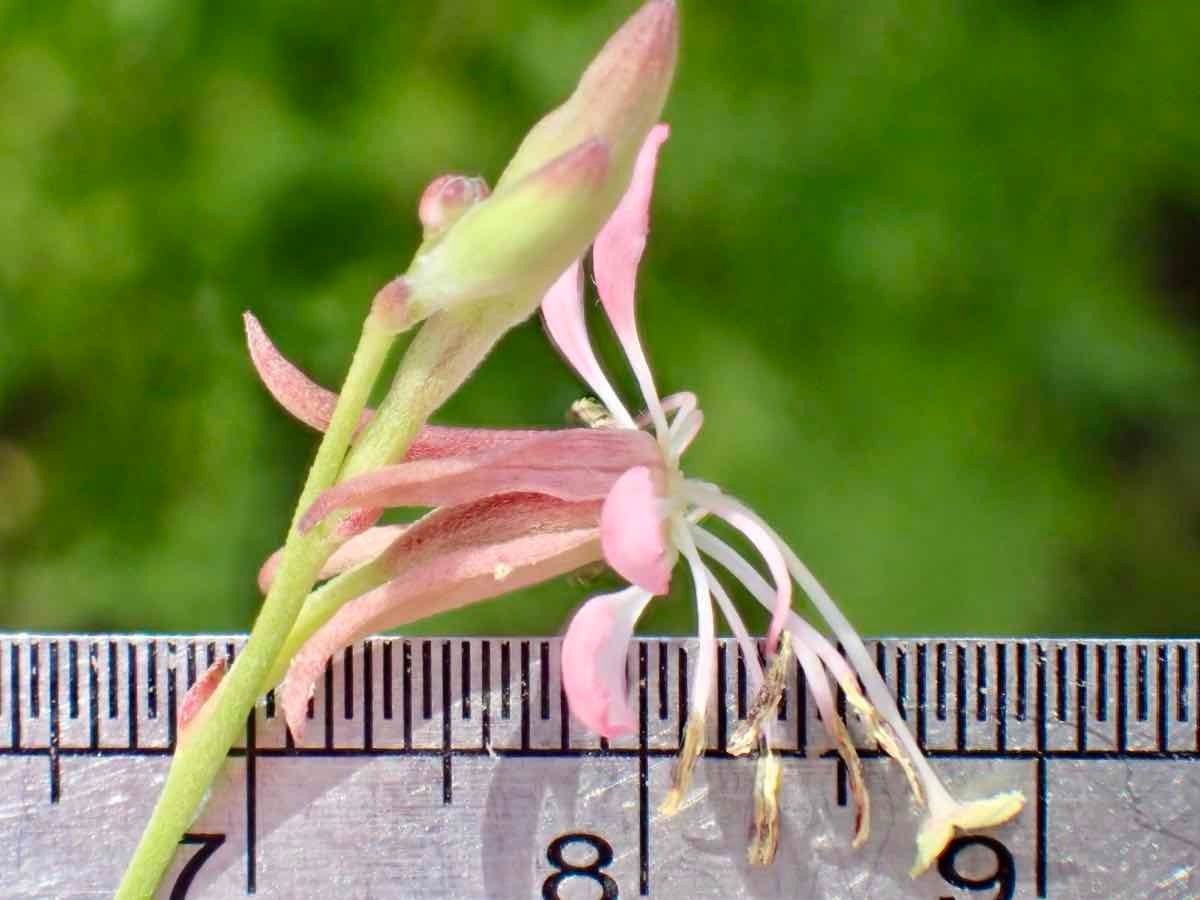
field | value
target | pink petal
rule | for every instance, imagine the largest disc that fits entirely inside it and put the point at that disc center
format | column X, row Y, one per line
column 632, row 531
column 570, row 463
column 619, row 246
column 359, row 549
column 594, row 652
column 448, row 559
column 296, row 392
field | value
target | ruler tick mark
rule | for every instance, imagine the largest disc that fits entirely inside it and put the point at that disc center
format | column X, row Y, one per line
column 1001, row 696
column 722, row 687
column 387, row 678
column 406, row 692
column 741, row 683
column 544, row 681
column 447, row 780
column 368, row 704
column 1122, row 697
column 1060, row 683
column 251, row 806
column 73, row 679
column 1162, row 696
column 524, row 695
column 1143, row 709
column 922, row 687
column 940, row 680
column 172, row 700
column 112, row 679
column 191, row 664
column 981, row 683
column 152, row 679
column 131, row 696
column 348, row 683
column 682, row 692
column 801, row 712
column 960, row 696
column 664, row 706
column 505, row 682
column 465, row 676
column 328, row 704
column 93, row 695
column 1101, row 683
column 1022, row 680
column 55, row 772
column 426, row 680
column 643, row 776
column 34, row 687
column 1181, row 684
column 1081, row 707
column 485, row 677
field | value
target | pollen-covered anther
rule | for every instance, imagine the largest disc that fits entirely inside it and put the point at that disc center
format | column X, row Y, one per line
column 885, row 738
column 445, row 200
column 389, row 309
column 763, row 709
column 681, row 777
column 858, row 786
column 764, row 836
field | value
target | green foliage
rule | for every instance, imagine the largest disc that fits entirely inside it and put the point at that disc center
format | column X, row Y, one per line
column 931, row 266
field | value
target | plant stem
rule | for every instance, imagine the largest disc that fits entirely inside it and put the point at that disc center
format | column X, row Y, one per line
column 202, row 750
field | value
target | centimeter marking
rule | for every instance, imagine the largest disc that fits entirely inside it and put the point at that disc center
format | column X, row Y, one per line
column 1028, row 699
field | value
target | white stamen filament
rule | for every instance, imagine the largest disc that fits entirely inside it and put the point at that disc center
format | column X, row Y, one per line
column 684, row 428
column 747, row 644
column 710, row 497
column 706, row 631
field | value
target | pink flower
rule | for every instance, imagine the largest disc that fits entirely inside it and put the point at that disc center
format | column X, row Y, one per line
column 652, row 516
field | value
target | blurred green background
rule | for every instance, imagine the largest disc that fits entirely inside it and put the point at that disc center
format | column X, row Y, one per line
column 933, row 268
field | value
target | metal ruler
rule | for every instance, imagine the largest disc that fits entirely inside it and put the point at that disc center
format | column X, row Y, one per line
column 449, row 768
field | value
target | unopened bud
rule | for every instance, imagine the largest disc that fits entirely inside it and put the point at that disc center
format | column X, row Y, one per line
column 561, row 186
column 619, row 97
column 446, row 199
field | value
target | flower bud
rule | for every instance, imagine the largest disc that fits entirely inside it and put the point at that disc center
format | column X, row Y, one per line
column 446, row 199
column 561, row 186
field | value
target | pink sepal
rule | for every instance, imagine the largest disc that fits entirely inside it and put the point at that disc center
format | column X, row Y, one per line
column 295, row 392
column 198, row 694
column 452, row 557
column 570, row 464
column 356, row 551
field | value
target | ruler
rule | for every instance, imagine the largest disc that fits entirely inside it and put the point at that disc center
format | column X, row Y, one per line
column 450, row 768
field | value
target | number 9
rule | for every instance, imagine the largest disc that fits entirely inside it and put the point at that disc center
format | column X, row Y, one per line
column 1004, row 877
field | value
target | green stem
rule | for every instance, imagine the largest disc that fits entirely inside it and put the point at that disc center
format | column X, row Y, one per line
column 202, row 750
